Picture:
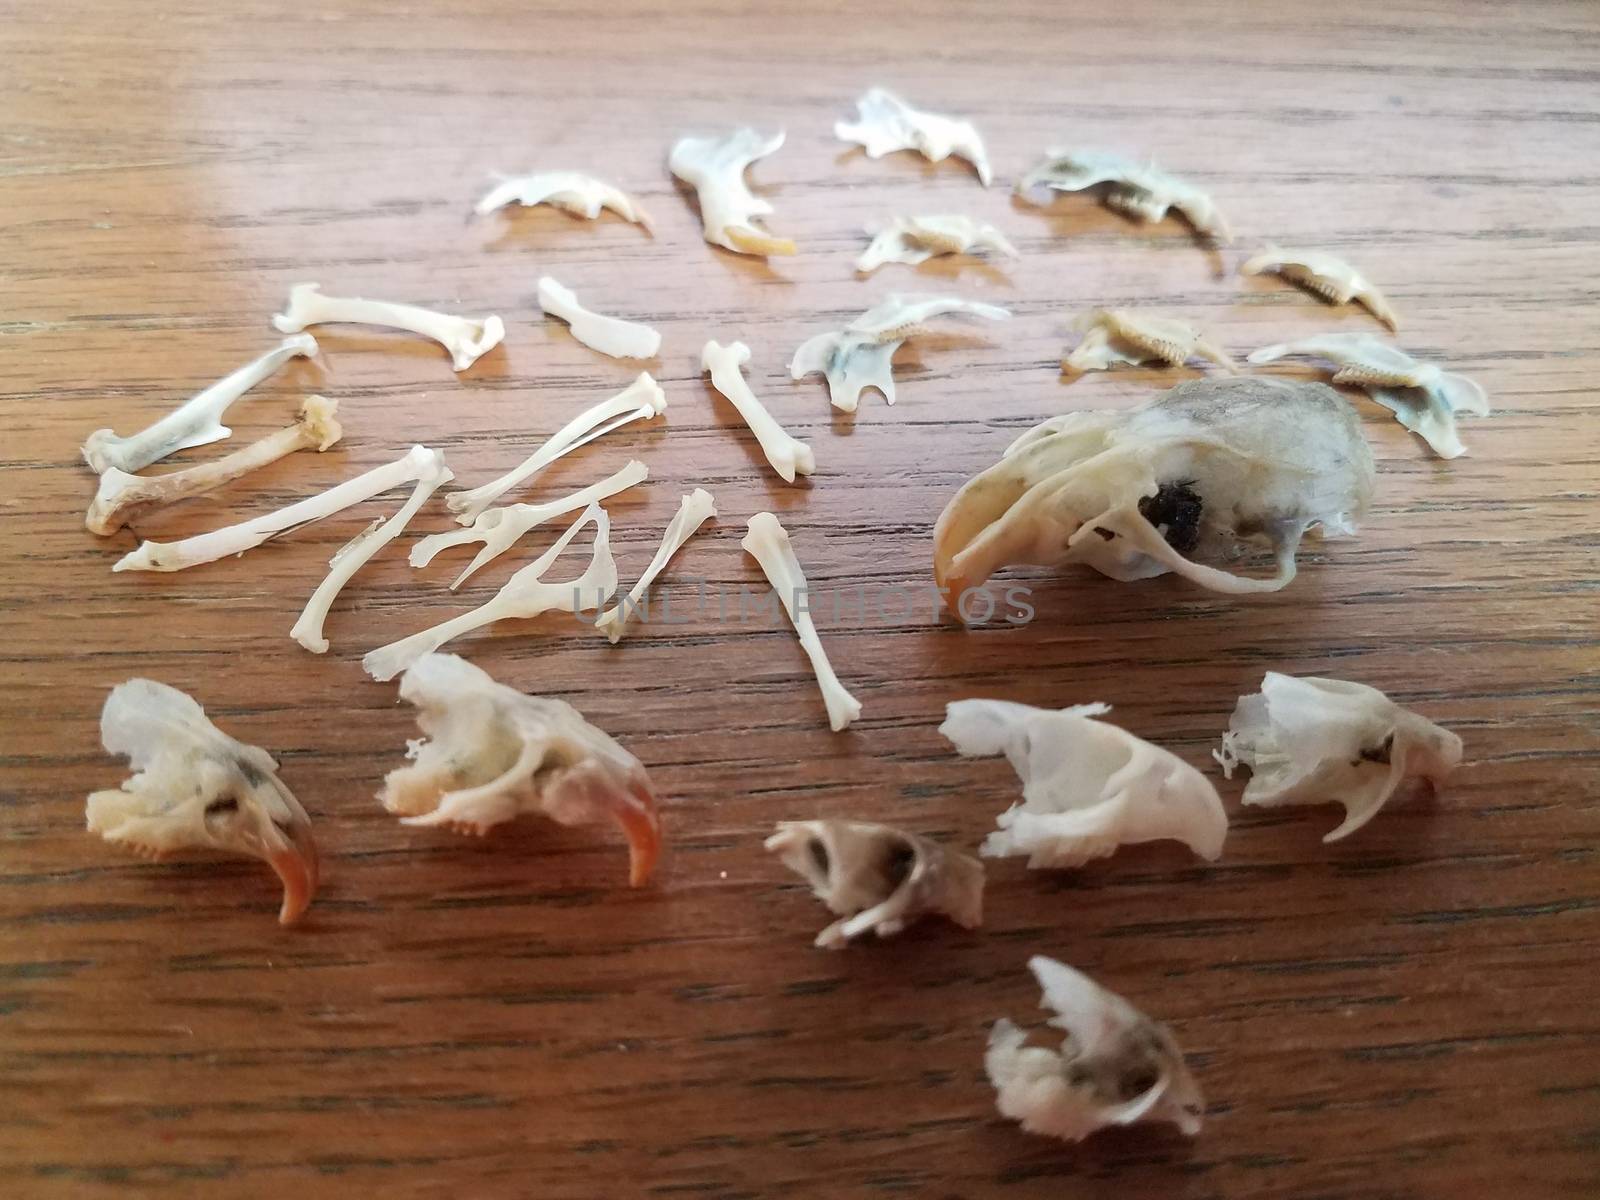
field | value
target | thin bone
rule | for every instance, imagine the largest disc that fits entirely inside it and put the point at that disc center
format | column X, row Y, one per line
column 696, row 508
column 198, row 422
column 619, row 339
column 466, row 339
column 887, row 123
column 787, row 454
column 914, row 240
column 1324, row 275
column 572, row 192
column 715, row 168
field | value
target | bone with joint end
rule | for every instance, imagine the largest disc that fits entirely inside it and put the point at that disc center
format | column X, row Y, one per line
column 236, row 539
column 715, row 168
column 608, row 335
column 695, row 510
column 581, row 195
column 788, row 455
column 914, row 240
column 768, row 543
column 465, row 339
column 123, row 497
column 198, row 422
column 1323, row 275
column 887, row 123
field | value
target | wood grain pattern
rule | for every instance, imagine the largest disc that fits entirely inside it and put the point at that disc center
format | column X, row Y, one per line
column 1406, row 1014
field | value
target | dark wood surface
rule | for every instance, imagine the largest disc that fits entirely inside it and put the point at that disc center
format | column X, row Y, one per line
column 1410, row 1013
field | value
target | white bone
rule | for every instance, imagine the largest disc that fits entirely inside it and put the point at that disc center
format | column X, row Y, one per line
column 639, row 401
column 197, row 422
column 715, row 168
column 356, row 553
column 1118, row 335
column 787, row 454
column 619, row 339
column 695, row 509
column 768, row 543
column 524, row 596
column 1324, row 275
column 236, row 539
column 914, row 240
column 573, row 192
column 122, row 497
column 464, row 338
column 1143, row 191
column 886, row 123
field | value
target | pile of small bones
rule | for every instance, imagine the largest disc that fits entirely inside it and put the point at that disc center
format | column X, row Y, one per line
column 1191, row 475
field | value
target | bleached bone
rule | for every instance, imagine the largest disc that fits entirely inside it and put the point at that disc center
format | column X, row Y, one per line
column 1423, row 397
column 1117, row 335
column 715, row 168
column 356, row 553
column 1087, row 787
column 639, row 401
column 858, row 357
column 236, row 539
column 466, row 339
column 499, row 528
column 787, row 454
column 524, row 596
column 123, row 497
column 197, row 422
column 694, row 510
column 914, row 240
column 197, row 788
column 1327, row 741
column 1142, row 191
column 496, row 754
column 885, row 123
column 1324, row 275
column 878, row 878
column 1116, row 1066
column 619, row 339
column 573, row 192
column 768, row 543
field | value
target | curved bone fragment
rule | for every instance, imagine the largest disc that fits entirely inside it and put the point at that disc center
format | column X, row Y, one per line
column 885, row 123
column 499, row 528
column 1423, row 397
column 359, row 551
column 877, row 878
column 236, row 539
column 694, row 511
column 639, row 401
column 524, row 596
column 1087, row 787
column 1115, row 1066
column 466, row 339
column 858, row 357
column 715, row 168
column 914, row 240
column 1321, row 741
column 787, row 454
column 1142, row 191
column 1180, row 481
column 197, row 422
column 197, row 788
column 491, row 753
column 768, row 543
column 1116, row 335
column 571, row 191
column 609, row 335
column 123, row 497
column 1324, row 275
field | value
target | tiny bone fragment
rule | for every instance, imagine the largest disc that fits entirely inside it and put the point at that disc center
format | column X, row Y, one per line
column 715, row 168
column 639, row 401
column 123, row 497
column 465, row 339
column 490, row 754
column 787, row 454
column 236, row 539
column 885, row 123
column 197, row 788
column 694, row 511
column 356, row 553
column 767, row 541
column 1141, row 191
column 878, row 879
column 1115, row 1066
column 572, row 192
column 1324, row 275
column 859, row 356
column 609, row 335
column 1117, row 335
column 1327, row 741
column 197, row 422
column 1087, row 787
column 914, row 240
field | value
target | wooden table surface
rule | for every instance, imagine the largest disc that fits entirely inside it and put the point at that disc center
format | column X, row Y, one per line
column 1409, row 1013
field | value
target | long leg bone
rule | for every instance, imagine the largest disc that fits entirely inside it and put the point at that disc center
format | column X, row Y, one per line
column 697, row 507
column 715, row 168
column 581, row 195
column 787, row 454
column 887, row 123
column 466, row 339
column 619, row 339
